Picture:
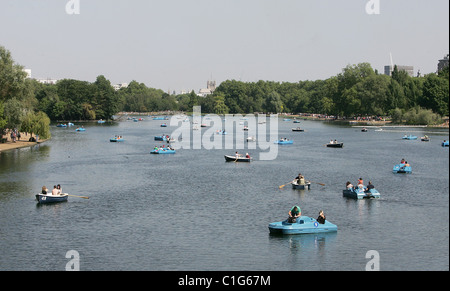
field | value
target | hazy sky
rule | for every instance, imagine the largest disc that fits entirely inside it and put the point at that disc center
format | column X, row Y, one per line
column 180, row 44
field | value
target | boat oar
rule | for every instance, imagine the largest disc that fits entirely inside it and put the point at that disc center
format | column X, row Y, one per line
column 282, row 186
column 317, row 183
column 84, row 197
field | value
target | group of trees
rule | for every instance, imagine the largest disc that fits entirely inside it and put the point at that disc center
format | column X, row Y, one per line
column 357, row 91
column 18, row 105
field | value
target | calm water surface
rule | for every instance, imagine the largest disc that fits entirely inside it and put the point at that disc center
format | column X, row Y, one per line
column 193, row 211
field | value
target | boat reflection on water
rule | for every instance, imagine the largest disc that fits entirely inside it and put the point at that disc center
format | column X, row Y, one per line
column 305, row 242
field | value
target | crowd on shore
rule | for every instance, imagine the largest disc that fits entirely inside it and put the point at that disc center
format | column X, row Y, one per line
column 13, row 138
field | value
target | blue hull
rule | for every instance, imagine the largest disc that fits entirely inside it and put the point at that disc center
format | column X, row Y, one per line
column 116, row 140
column 47, row 199
column 162, row 152
column 284, row 142
column 360, row 194
column 304, row 225
column 80, row 129
column 162, row 138
column 410, row 137
column 445, row 144
column 401, row 169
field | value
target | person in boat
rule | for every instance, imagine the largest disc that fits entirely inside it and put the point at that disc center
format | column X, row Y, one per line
column 360, row 184
column 331, row 141
column 59, row 189
column 55, row 191
column 403, row 161
column 44, row 190
column 247, row 156
column 370, row 186
column 321, row 219
column 294, row 213
column 349, row 185
column 297, row 179
column 237, row 155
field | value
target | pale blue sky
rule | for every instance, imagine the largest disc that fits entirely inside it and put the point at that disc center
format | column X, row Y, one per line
column 180, row 44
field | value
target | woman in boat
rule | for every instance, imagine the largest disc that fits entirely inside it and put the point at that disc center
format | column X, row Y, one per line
column 294, row 213
column 44, row 190
column 349, row 185
column 321, row 219
column 403, row 161
column 247, row 156
column 59, row 188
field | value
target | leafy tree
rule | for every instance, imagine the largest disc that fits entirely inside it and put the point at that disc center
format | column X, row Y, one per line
column 12, row 77
column 436, row 94
column 219, row 105
column 37, row 123
column 14, row 113
column 273, row 103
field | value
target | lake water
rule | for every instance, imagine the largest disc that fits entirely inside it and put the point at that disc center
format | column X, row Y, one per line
column 194, row 211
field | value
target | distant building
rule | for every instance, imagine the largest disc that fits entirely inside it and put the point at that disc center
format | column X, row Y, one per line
column 443, row 63
column 28, row 71
column 408, row 69
column 210, row 88
column 47, row 81
column 117, row 87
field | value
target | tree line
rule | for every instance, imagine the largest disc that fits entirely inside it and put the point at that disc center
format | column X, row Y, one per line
column 358, row 90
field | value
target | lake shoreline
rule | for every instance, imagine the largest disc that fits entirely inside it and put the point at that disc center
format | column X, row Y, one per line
column 23, row 142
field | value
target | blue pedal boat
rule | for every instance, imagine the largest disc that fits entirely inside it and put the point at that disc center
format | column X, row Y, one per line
column 409, row 137
column 402, row 169
column 116, row 139
column 80, row 129
column 163, row 138
column 47, row 199
column 303, row 225
column 284, row 142
column 162, row 152
column 361, row 194
column 445, row 143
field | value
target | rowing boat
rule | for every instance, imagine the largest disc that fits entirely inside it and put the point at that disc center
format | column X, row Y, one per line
column 237, row 159
column 48, row 198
